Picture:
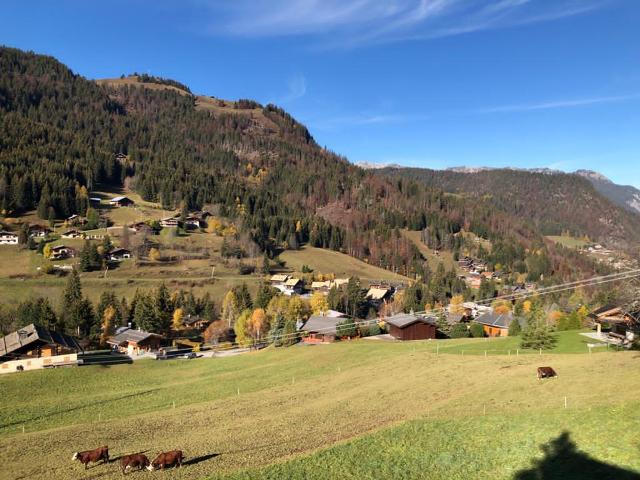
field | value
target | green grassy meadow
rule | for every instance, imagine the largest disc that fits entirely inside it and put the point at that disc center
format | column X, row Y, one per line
column 361, row 409
column 568, row 241
column 340, row 264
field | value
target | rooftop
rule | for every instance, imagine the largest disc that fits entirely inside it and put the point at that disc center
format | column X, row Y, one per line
column 402, row 320
column 127, row 335
column 31, row 336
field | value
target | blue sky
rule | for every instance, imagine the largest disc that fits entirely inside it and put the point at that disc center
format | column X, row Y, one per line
column 432, row 83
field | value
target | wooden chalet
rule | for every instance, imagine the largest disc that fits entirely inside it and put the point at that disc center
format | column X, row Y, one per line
column 321, row 329
column 278, row 279
column 196, row 322
column 119, row 254
column 39, row 231
column 73, row 233
column 134, row 342
column 620, row 323
column 34, row 341
column 76, row 220
column 192, row 221
column 121, row 201
column 496, row 324
column 60, row 252
column 378, row 294
column 142, row 227
column 407, row 326
column 292, row 286
column 170, row 222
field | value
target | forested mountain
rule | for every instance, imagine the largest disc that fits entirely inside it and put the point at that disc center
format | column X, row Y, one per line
column 60, row 133
column 624, row 195
column 552, row 202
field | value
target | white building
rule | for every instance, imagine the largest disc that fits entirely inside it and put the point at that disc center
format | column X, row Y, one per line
column 8, row 238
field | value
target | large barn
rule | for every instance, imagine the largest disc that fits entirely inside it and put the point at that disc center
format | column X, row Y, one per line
column 407, row 326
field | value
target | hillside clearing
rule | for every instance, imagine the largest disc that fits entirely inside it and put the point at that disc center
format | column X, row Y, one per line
column 342, row 265
column 567, row 241
column 303, row 400
column 443, row 256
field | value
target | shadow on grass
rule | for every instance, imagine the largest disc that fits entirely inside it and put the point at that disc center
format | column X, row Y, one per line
column 563, row 461
column 115, row 459
column 200, row 459
column 79, row 407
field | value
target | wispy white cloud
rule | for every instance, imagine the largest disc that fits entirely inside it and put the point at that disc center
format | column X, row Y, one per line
column 372, row 118
column 358, row 22
column 365, row 119
column 571, row 103
column 296, row 88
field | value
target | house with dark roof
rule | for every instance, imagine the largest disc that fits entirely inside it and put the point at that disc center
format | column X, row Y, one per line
column 119, row 254
column 120, row 201
column 321, row 329
column 619, row 322
column 34, row 341
column 408, row 326
column 497, row 324
column 60, row 252
column 73, row 233
column 134, row 342
column 196, row 322
column 39, row 231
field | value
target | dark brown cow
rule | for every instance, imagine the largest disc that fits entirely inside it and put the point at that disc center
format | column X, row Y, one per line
column 546, row 372
column 166, row 459
column 100, row 453
column 137, row 460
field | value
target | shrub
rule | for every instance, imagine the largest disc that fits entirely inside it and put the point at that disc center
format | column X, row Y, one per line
column 346, row 328
column 459, row 330
column 476, row 330
column 244, row 269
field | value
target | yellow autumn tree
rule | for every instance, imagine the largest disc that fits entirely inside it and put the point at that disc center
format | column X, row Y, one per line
column 526, row 306
column 107, row 327
column 455, row 306
column 154, row 254
column 501, row 307
column 46, row 251
column 258, row 323
column 177, row 322
column 230, row 308
column 318, row 303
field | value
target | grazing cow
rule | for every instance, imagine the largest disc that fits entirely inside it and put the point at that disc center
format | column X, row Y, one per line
column 546, row 372
column 100, row 453
column 166, row 459
column 129, row 462
column 136, row 460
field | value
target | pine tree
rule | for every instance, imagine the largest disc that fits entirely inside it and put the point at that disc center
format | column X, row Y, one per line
column 537, row 334
column 71, row 300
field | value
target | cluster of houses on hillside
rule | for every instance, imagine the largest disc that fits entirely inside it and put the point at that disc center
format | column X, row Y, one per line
column 475, row 271
column 290, row 285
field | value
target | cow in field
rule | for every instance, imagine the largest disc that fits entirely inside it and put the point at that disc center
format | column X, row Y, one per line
column 166, row 459
column 100, row 453
column 136, row 460
column 546, row 372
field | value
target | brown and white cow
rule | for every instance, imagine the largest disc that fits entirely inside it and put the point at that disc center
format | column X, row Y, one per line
column 100, row 453
column 136, row 460
column 546, row 372
column 166, row 459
